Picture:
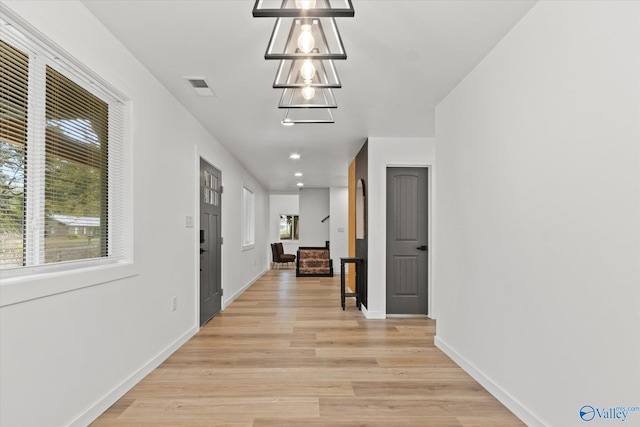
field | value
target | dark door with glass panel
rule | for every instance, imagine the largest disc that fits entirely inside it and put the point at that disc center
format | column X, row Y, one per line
column 210, row 242
column 407, row 234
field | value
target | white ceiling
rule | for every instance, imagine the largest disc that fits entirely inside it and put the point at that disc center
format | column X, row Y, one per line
column 404, row 56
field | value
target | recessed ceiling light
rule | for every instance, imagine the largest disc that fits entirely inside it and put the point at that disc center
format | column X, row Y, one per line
column 300, row 184
column 298, row 174
column 287, row 123
column 294, row 156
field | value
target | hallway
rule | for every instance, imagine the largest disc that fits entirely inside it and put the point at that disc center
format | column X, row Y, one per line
column 285, row 354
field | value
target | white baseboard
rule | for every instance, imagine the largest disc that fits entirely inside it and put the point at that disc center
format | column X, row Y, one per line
column 372, row 314
column 226, row 303
column 498, row 392
column 103, row 404
column 407, row 316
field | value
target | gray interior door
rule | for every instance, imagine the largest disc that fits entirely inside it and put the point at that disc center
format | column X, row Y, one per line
column 407, row 228
column 210, row 242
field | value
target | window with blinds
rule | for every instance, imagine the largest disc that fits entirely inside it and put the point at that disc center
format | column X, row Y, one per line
column 76, row 190
column 14, row 73
column 61, row 160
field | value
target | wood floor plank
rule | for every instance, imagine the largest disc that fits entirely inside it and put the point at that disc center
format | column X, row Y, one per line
column 391, row 411
column 469, row 390
column 285, row 354
column 217, row 410
column 342, row 421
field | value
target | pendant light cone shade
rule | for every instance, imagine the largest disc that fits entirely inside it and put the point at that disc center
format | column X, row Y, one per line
column 303, row 8
column 296, row 98
column 308, row 115
column 291, row 74
column 291, row 39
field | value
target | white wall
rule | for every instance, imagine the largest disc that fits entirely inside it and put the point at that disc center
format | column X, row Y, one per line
column 65, row 358
column 281, row 204
column 314, row 200
column 338, row 224
column 314, row 207
column 538, row 223
column 383, row 153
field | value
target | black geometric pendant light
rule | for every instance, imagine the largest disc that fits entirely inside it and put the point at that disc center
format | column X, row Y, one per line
column 307, row 97
column 306, row 40
column 303, row 8
column 316, row 38
column 294, row 73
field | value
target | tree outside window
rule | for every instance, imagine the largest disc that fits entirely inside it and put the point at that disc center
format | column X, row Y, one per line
column 289, row 227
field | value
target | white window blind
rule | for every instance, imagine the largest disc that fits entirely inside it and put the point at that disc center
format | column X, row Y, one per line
column 14, row 73
column 61, row 154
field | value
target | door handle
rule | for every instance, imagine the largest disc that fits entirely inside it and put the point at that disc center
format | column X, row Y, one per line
column 203, row 251
column 422, row 248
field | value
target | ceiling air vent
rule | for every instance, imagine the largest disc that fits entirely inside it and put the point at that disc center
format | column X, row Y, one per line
column 200, row 86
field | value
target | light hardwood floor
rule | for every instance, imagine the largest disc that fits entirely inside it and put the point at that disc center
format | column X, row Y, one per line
column 284, row 354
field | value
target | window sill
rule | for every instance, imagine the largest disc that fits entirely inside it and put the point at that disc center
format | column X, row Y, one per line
column 25, row 288
column 248, row 247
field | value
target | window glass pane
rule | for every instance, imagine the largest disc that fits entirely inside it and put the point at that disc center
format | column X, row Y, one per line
column 248, row 217
column 62, row 181
column 76, row 171
column 14, row 68
column 289, row 227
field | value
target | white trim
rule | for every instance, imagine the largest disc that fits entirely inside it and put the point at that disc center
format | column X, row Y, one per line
column 196, row 235
column 430, row 240
column 407, row 316
column 248, row 219
column 495, row 389
column 378, row 315
column 103, row 404
column 240, row 291
column 26, row 288
column 36, row 42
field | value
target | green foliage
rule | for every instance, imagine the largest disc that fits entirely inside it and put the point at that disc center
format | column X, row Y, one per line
column 72, row 189
column 11, row 187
